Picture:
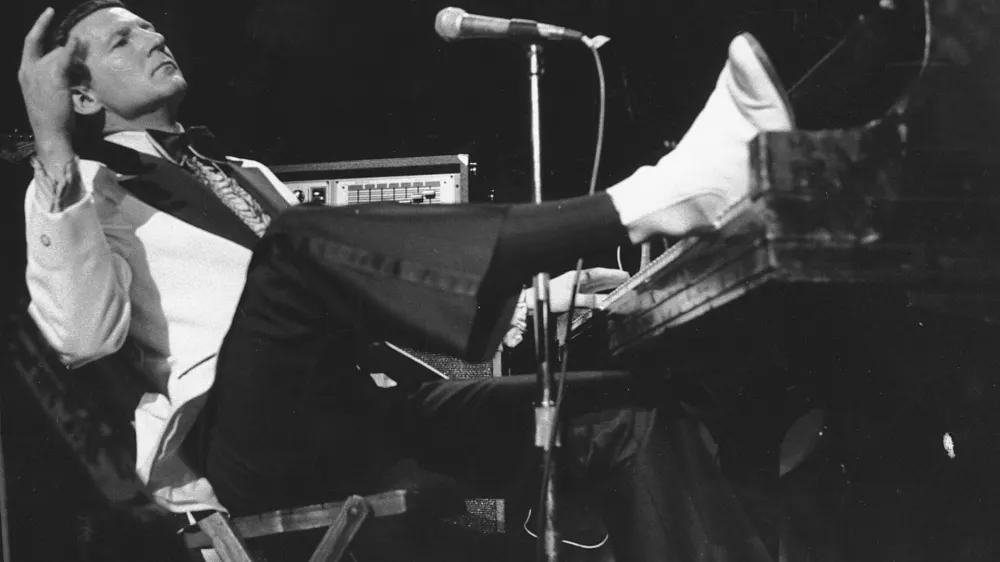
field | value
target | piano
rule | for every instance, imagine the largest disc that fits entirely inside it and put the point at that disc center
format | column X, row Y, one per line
column 890, row 187
column 799, row 312
column 848, row 208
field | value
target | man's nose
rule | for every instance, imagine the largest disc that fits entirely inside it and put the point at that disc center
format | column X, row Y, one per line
column 153, row 41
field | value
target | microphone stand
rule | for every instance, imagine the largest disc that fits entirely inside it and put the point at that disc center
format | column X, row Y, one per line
column 545, row 412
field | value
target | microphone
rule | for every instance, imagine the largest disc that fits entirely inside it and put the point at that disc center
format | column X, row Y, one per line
column 454, row 24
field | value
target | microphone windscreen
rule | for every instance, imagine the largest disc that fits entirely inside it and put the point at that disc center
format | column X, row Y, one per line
column 448, row 23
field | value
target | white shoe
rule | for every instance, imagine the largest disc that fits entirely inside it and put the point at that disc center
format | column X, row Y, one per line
column 709, row 170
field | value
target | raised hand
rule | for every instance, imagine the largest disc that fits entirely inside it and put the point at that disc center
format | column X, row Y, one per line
column 46, row 88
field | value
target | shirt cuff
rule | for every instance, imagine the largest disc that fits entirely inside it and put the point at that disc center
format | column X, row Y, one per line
column 51, row 189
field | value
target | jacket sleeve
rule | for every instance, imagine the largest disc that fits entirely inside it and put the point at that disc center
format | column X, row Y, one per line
column 77, row 273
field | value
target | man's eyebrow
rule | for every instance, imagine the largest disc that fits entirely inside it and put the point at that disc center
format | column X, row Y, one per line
column 121, row 31
column 125, row 29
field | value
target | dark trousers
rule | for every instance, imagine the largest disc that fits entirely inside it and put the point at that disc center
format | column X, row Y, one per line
column 293, row 421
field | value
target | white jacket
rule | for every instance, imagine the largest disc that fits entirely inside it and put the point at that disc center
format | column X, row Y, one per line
column 111, row 266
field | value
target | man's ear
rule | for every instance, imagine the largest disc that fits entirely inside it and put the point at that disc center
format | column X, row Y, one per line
column 84, row 101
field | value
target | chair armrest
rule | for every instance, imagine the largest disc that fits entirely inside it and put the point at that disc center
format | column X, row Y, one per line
column 394, row 502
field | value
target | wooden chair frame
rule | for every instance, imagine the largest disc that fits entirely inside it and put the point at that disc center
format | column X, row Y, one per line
column 227, row 536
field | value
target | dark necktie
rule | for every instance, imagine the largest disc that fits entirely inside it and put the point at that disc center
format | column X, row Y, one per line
column 196, row 151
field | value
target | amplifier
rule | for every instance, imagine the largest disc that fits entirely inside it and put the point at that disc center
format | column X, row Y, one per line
column 414, row 189
column 415, row 181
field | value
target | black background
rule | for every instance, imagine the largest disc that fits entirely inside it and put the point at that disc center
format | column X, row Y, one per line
column 293, row 81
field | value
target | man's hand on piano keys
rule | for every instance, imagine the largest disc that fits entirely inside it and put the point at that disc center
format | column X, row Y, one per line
column 593, row 280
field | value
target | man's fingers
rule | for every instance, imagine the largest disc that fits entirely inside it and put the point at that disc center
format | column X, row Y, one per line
column 63, row 55
column 591, row 280
column 587, row 301
column 33, row 44
column 601, row 279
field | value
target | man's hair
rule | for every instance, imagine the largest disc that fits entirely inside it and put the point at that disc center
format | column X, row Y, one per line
column 58, row 35
column 89, row 126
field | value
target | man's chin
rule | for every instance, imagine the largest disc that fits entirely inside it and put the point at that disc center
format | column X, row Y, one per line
column 182, row 87
column 178, row 82
column 175, row 95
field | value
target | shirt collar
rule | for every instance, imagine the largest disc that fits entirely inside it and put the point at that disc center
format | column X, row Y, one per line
column 140, row 141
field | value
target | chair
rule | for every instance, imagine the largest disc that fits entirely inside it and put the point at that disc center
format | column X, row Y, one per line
column 93, row 409
column 226, row 537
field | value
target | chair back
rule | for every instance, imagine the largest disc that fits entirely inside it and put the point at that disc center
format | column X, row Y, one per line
column 91, row 408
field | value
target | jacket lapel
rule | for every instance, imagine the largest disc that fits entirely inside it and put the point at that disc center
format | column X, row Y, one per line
column 259, row 187
column 170, row 189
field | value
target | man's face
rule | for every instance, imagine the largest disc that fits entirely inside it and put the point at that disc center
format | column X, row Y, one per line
column 131, row 70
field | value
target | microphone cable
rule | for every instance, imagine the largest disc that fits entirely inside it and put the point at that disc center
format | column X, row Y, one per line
column 593, row 45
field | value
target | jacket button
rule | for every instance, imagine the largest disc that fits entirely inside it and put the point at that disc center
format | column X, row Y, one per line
column 46, row 241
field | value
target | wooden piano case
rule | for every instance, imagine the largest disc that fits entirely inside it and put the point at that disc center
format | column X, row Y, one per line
column 826, row 208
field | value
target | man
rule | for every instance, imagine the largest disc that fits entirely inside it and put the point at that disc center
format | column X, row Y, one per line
column 250, row 318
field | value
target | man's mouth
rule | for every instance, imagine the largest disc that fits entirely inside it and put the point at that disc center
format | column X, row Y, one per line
column 166, row 64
